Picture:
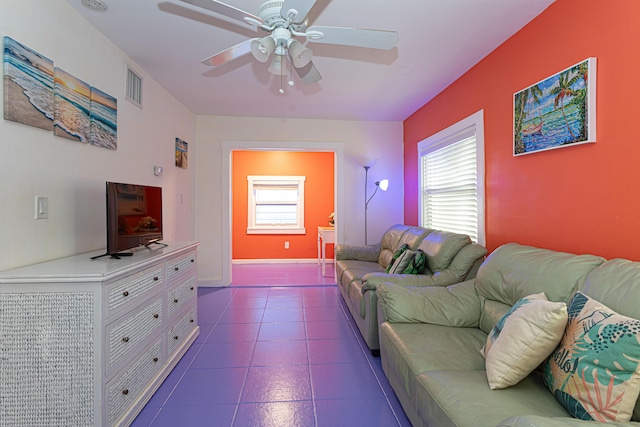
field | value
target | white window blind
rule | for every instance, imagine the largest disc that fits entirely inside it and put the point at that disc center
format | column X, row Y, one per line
column 452, row 181
column 275, row 205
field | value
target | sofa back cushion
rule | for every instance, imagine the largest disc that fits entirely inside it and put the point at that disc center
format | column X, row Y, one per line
column 441, row 247
column 514, row 271
column 397, row 236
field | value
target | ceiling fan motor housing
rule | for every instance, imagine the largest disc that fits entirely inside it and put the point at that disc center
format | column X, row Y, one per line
column 269, row 12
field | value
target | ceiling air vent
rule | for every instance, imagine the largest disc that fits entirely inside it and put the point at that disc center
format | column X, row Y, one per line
column 133, row 91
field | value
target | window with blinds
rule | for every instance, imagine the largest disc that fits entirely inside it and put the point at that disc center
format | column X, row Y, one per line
column 451, row 165
column 275, row 205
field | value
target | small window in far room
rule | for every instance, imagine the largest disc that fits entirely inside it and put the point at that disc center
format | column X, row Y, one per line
column 275, row 205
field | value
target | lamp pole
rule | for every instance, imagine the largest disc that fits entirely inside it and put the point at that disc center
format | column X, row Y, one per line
column 366, row 202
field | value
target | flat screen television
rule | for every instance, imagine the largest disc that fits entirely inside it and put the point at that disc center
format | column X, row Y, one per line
column 134, row 217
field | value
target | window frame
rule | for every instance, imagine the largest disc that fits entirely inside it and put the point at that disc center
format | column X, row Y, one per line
column 257, row 180
column 449, row 136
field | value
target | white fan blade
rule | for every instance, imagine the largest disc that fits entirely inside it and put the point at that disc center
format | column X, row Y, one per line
column 308, row 74
column 359, row 37
column 229, row 54
column 223, row 9
column 301, row 6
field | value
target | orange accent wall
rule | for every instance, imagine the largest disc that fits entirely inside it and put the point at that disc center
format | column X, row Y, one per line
column 581, row 199
column 318, row 168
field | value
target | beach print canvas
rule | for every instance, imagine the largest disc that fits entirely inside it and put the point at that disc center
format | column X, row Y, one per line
column 557, row 112
column 182, row 151
column 103, row 120
column 71, row 104
column 28, row 86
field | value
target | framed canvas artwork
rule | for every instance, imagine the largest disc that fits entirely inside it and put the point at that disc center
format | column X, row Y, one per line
column 557, row 112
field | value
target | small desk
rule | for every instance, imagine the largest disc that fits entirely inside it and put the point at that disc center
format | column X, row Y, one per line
column 325, row 235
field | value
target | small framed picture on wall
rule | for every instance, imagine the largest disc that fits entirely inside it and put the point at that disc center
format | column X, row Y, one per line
column 182, row 151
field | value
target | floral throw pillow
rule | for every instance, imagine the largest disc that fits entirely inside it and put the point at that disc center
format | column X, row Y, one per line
column 595, row 371
column 522, row 339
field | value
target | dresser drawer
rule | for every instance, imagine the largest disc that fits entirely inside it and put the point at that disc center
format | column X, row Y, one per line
column 177, row 334
column 132, row 290
column 180, row 265
column 125, row 334
column 124, row 389
column 182, row 294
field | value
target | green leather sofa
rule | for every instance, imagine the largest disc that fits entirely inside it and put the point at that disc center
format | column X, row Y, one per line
column 451, row 258
column 431, row 338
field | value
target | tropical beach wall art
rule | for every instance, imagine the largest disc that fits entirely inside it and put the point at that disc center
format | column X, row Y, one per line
column 71, row 106
column 38, row 94
column 28, row 86
column 557, row 112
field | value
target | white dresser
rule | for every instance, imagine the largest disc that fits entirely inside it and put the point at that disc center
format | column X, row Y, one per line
column 87, row 342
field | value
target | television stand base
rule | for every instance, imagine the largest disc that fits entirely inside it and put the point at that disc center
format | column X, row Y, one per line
column 155, row 242
column 117, row 255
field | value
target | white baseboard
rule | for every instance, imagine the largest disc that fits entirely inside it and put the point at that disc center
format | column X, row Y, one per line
column 280, row 261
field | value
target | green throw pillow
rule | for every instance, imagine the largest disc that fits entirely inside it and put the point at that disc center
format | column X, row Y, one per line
column 402, row 262
column 595, row 371
column 417, row 264
column 396, row 255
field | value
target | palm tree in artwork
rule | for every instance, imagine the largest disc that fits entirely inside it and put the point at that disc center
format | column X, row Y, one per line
column 521, row 100
column 562, row 91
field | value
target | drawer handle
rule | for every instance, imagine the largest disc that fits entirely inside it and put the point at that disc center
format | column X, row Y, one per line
column 191, row 288
column 193, row 260
column 125, row 294
column 175, row 337
column 125, row 339
column 175, row 300
column 176, row 268
column 125, row 391
column 190, row 320
column 156, row 278
column 155, row 316
column 155, row 360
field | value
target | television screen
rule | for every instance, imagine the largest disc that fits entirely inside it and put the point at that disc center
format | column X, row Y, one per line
column 134, row 216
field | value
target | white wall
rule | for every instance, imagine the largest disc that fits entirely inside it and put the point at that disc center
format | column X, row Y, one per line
column 72, row 175
column 382, row 140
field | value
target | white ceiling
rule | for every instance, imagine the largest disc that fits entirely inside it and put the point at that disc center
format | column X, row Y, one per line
column 439, row 40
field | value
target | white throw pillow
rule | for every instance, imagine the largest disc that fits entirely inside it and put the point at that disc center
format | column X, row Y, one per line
column 522, row 339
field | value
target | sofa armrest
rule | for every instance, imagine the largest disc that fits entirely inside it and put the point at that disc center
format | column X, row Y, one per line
column 372, row 280
column 360, row 253
column 455, row 305
column 540, row 421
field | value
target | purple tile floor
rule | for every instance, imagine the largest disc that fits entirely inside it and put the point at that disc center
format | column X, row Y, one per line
column 276, row 355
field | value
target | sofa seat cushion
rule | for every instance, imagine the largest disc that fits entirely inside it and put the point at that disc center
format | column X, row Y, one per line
column 464, row 399
column 351, row 270
column 413, row 348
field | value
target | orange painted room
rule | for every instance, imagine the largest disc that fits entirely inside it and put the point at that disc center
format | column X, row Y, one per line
column 579, row 199
column 318, row 170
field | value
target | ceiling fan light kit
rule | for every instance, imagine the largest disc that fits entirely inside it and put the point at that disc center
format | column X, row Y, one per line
column 284, row 20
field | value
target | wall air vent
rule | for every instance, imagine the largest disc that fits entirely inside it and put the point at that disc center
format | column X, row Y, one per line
column 133, row 89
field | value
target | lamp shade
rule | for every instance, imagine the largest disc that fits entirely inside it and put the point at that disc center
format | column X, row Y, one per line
column 300, row 55
column 261, row 49
column 276, row 65
column 384, row 184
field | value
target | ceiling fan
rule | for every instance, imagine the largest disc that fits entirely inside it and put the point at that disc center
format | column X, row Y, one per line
column 284, row 20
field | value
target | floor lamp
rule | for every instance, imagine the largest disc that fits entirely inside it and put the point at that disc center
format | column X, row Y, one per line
column 382, row 185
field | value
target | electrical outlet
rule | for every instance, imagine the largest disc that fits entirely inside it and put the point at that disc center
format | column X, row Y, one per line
column 286, row 245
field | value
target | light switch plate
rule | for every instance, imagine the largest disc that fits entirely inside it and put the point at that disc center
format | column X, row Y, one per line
column 42, row 207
